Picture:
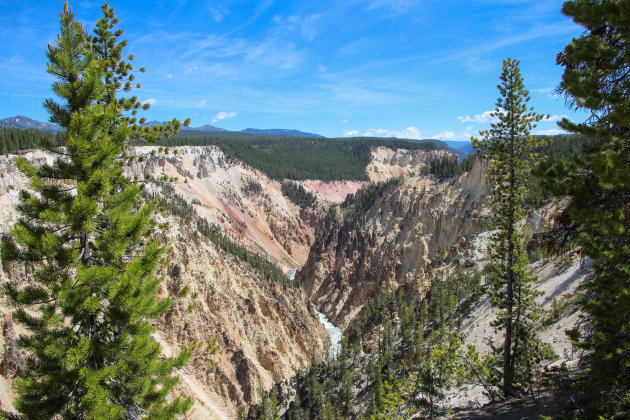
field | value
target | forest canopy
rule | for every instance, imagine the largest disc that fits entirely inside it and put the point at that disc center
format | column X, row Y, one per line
column 302, row 158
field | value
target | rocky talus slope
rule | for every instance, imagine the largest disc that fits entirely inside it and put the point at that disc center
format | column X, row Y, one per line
column 358, row 256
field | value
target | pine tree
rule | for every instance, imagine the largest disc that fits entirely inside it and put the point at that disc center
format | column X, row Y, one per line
column 85, row 231
column 396, row 393
column 438, row 368
column 596, row 79
column 375, row 371
column 346, row 391
column 510, row 149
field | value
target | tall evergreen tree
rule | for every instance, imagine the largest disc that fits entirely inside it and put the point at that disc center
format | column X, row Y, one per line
column 84, row 230
column 438, row 369
column 510, row 149
column 597, row 79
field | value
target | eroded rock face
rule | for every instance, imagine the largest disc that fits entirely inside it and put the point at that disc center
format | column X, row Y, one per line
column 353, row 260
column 265, row 331
column 247, row 205
column 387, row 163
column 334, row 192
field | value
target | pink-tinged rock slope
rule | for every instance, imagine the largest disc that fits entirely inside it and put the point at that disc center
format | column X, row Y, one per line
column 248, row 206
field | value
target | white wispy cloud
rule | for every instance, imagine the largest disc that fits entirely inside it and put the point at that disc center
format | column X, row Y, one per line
column 308, row 26
column 484, row 117
column 150, row 101
column 410, row 133
column 472, row 56
column 169, row 76
column 550, row 132
column 393, row 6
column 224, row 115
column 272, row 51
column 344, row 121
column 355, row 91
column 452, row 135
column 446, row 135
column 352, row 47
column 202, row 103
column 555, row 117
column 218, row 13
column 407, row 133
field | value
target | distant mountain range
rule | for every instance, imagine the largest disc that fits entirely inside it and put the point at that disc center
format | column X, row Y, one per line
column 266, row 132
column 206, row 128
column 465, row 147
column 28, row 123
column 280, row 132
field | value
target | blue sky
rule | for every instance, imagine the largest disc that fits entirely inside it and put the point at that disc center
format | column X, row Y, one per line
column 406, row 68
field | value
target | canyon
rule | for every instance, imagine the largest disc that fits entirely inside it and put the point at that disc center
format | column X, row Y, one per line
column 266, row 331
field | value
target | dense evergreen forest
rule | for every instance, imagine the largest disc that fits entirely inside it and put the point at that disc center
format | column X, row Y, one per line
column 558, row 148
column 298, row 194
column 448, row 168
column 13, row 140
column 360, row 203
column 301, row 158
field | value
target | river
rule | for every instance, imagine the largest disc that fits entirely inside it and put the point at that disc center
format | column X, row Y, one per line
column 334, row 333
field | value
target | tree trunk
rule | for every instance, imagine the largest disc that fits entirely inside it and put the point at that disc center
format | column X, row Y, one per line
column 507, row 346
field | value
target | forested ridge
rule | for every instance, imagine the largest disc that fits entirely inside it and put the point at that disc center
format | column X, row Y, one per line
column 298, row 194
column 301, row 158
column 14, row 140
column 278, row 157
